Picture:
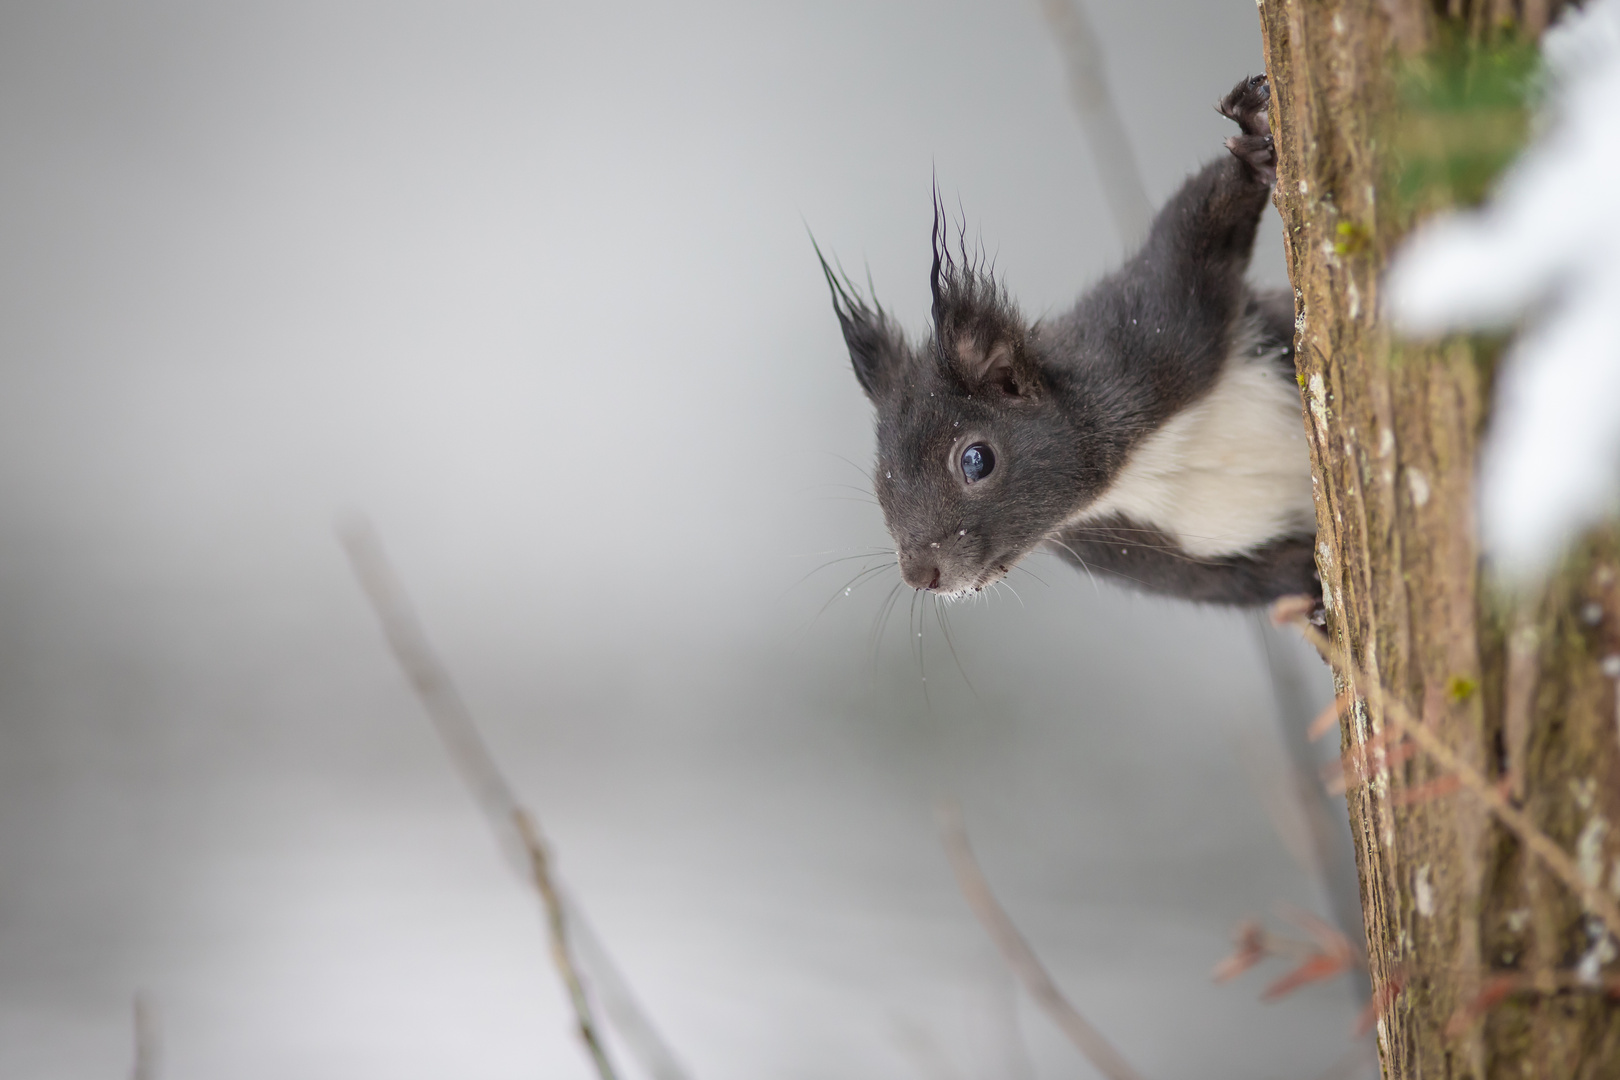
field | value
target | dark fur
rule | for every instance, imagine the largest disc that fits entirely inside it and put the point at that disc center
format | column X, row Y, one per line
column 1064, row 401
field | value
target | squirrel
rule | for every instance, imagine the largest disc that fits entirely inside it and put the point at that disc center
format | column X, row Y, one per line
column 1153, row 433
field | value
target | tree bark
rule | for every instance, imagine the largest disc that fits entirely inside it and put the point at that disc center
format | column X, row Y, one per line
column 1487, row 964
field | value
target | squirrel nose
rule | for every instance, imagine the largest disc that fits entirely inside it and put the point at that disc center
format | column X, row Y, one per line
column 921, row 575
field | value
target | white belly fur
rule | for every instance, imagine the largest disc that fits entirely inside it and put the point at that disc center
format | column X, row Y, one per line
column 1226, row 474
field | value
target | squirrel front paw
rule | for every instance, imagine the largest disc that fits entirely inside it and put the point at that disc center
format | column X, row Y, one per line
column 1246, row 106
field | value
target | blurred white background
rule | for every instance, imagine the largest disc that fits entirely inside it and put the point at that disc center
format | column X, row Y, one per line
column 530, row 285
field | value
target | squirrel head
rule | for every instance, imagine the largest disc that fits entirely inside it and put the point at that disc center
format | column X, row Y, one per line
column 977, row 460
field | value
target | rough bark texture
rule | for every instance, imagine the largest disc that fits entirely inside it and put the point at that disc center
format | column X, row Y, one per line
column 1451, row 900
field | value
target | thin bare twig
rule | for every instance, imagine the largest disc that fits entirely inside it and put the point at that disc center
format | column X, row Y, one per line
column 1438, row 788
column 1328, row 719
column 1360, row 764
column 1253, row 943
column 1330, row 953
column 1281, row 790
column 619, row 1005
column 1016, row 951
column 468, row 751
column 1088, row 91
column 1395, row 716
column 1333, row 861
column 1498, row 988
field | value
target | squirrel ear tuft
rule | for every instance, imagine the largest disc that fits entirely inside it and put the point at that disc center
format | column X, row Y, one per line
column 978, row 332
column 877, row 350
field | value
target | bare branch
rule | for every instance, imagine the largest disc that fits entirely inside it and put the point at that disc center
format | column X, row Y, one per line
column 1328, row 719
column 624, row 1013
column 443, row 702
column 1016, row 951
column 428, row 676
column 1105, row 133
column 1333, row 861
column 1330, row 953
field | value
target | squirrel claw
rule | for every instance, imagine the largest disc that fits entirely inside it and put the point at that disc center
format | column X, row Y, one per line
column 1246, row 106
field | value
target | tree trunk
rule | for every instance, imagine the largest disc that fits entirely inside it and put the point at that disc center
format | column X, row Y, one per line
column 1466, row 929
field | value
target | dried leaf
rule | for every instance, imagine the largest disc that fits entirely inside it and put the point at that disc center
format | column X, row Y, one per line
column 1329, row 938
column 1250, row 942
column 1318, row 967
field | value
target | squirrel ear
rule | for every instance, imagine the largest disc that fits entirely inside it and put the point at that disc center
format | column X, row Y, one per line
column 991, row 364
column 978, row 334
column 983, row 363
column 877, row 350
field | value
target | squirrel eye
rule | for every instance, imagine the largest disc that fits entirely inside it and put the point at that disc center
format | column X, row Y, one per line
column 977, row 461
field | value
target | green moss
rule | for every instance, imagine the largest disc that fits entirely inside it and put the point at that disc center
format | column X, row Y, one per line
column 1464, row 115
column 1461, row 688
column 1352, row 239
